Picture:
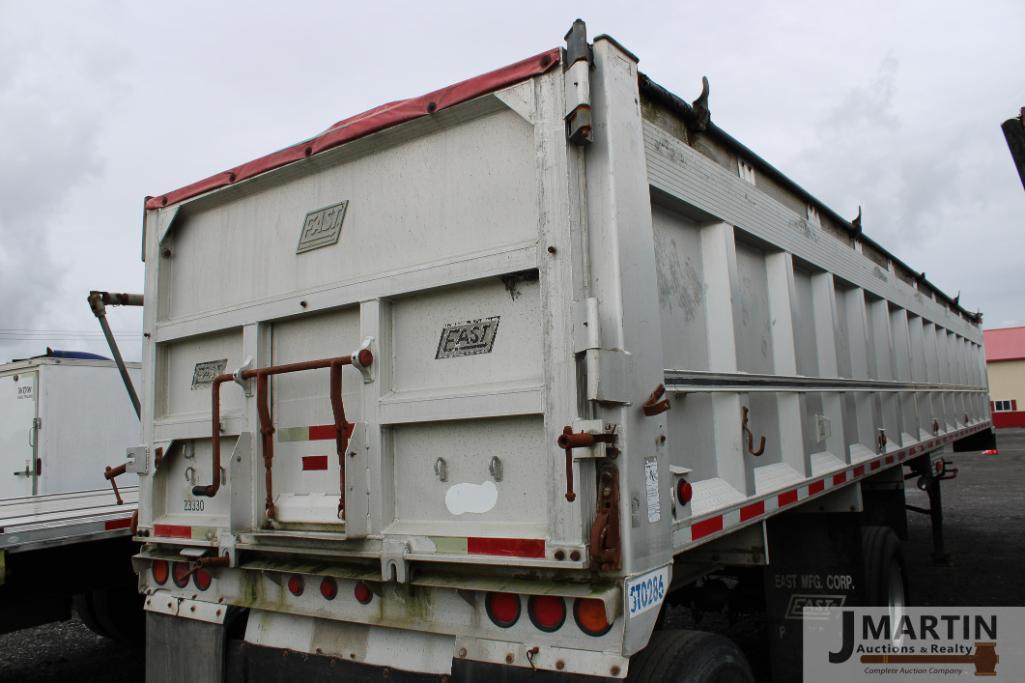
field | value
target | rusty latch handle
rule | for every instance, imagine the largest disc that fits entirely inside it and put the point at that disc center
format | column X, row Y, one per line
column 569, row 440
column 208, row 561
column 881, row 440
column 653, row 406
column 750, row 437
column 110, row 473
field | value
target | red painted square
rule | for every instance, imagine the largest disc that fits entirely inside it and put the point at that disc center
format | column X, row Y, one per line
column 314, row 462
column 839, row 478
column 753, row 510
column 788, row 498
column 705, row 527
column 816, row 487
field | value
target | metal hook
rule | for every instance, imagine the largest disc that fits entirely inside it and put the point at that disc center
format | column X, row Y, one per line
column 750, row 436
column 655, row 403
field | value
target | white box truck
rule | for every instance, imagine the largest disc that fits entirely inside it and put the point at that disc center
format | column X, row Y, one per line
column 65, row 535
column 480, row 382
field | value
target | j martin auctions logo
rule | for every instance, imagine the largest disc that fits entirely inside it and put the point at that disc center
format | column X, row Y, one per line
column 920, row 643
column 924, row 644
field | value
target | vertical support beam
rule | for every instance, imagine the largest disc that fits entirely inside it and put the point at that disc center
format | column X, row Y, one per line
column 857, row 328
column 919, row 374
column 625, row 283
column 374, row 321
column 823, row 297
column 248, row 484
column 932, row 376
column 779, row 271
column 152, row 228
column 882, row 342
column 562, row 195
column 902, row 369
column 719, row 264
column 947, row 421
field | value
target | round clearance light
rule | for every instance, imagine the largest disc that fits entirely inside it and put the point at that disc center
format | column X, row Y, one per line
column 328, row 588
column 161, row 570
column 684, row 491
column 202, row 579
column 181, row 574
column 365, row 357
column 503, row 608
column 362, row 593
column 296, row 585
column 589, row 614
column 547, row 612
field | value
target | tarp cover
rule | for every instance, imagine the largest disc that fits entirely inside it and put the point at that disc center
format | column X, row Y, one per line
column 368, row 122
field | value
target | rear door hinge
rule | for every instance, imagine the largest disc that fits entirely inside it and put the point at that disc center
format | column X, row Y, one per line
column 577, row 80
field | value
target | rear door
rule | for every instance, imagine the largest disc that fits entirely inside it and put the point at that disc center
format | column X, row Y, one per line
column 18, row 434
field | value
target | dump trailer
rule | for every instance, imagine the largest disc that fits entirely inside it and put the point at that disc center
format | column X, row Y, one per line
column 65, row 532
column 483, row 382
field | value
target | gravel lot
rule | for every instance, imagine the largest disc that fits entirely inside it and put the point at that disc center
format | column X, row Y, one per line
column 985, row 514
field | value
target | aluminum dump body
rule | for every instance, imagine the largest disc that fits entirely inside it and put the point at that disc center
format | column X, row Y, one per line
column 519, row 299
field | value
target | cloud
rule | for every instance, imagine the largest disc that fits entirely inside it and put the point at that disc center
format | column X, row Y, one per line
column 926, row 186
column 55, row 89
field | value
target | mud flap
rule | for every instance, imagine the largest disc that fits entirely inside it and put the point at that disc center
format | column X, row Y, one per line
column 816, row 564
column 183, row 649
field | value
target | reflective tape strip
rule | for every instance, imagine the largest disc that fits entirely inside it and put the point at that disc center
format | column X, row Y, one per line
column 311, row 433
column 704, row 528
column 478, row 545
column 172, row 531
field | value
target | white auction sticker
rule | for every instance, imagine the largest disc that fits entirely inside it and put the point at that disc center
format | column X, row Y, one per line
column 651, row 485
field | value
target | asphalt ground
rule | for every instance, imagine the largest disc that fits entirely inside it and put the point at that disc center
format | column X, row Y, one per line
column 984, row 511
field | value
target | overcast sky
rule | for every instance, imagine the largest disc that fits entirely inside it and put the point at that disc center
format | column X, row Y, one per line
column 895, row 106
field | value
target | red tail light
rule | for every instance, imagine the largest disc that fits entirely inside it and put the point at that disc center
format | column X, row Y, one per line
column 202, row 579
column 503, row 608
column 328, row 588
column 180, row 573
column 547, row 612
column 363, row 593
column 589, row 614
column 296, row 584
column 684, row 491
column 160, row 570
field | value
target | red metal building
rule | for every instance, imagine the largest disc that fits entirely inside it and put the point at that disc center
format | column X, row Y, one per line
column 1005, row 365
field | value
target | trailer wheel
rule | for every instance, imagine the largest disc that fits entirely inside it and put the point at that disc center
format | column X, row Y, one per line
column 679, row 656
column 86, row 611
column 886, row 576
column 119, row 609
column 114, row 612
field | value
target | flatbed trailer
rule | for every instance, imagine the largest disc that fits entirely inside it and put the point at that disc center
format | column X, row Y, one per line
column 481, row 382
column 65, row 541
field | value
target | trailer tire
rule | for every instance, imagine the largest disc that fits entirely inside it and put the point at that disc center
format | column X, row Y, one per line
column 86, row 611
column 886, row 575
column 679, row 656
column 117, row 611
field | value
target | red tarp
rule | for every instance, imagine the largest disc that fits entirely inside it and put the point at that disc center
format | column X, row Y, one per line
column 368, row 122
